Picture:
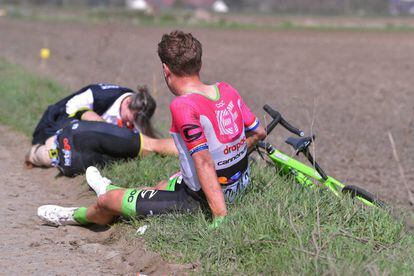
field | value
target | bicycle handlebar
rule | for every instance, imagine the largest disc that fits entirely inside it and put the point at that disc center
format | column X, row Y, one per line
column 291, row 128
column 277, row 118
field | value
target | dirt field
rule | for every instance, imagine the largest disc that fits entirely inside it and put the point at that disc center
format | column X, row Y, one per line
column 349, row 88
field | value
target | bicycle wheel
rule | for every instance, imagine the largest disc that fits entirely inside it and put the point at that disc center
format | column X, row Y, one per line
column 356, row 191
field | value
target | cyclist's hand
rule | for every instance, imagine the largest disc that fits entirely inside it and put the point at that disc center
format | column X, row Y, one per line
column 217, row 221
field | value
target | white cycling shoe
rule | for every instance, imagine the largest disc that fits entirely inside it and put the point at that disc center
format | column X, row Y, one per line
column 96, row 181
column 56, row 215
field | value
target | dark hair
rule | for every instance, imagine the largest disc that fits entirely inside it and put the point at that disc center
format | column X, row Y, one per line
column 181, row 52
column 145, row 105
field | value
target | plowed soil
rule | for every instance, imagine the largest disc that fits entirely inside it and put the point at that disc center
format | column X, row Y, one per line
column 352, row 89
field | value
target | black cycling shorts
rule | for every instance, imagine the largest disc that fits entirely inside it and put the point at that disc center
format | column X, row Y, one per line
column 155, row 202
column 85, row 143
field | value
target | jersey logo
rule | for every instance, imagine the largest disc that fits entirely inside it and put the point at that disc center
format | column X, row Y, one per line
column 190, row 137
column 66, row 144
column 105, row 86
column 226, row 119
column 220, row 104
column 235, row 147
column 152, row 193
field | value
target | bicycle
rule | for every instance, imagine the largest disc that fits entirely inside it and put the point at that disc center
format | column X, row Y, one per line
column 305, row 175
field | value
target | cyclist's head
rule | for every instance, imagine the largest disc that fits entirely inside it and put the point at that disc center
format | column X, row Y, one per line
column 143, row 105
column 181, row 52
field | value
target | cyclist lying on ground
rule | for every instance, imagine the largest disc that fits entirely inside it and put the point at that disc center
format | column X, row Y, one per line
column 81, row 144
column 96, row 102
column 212, row 129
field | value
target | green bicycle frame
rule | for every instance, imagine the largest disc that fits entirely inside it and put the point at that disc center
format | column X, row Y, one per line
column 304, row 174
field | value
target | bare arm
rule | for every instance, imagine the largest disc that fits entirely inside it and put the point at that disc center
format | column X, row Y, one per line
column 255, row 136
column 161, row 146
column 207, row 176
column 91, row 116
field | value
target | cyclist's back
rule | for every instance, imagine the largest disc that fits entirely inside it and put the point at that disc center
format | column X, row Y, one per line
column 219, row 124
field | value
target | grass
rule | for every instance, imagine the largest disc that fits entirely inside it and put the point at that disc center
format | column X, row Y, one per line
column 274, row 227
column 24, row 97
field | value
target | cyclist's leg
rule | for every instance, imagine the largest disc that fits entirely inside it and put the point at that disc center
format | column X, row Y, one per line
column 70, row 156
column 94, row 143
column 127, row 202
column 105, row 210
column 38, row 155
column 138, row 202
column 169, row 184
column 164, row 146
column 115, row 202
column 175, row 197
column 110, row 140
column 121, row 142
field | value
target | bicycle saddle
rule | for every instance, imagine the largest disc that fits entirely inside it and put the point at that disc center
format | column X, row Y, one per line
column 301, row 143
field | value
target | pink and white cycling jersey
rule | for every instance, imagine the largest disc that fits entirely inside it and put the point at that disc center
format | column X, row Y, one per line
column 219, row 125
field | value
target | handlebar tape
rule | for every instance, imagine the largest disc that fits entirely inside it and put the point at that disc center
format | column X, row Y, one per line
column 291, row 128
column 277, row 117
column 271, row 111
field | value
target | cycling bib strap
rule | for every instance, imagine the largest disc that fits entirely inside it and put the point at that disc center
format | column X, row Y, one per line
column 129, row 202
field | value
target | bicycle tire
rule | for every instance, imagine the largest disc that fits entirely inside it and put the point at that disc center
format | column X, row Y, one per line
column 359, row 192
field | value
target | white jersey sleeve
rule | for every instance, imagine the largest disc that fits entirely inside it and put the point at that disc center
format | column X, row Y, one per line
column 81, row 101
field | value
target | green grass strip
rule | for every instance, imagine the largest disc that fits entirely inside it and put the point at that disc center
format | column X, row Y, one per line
column 24, row 96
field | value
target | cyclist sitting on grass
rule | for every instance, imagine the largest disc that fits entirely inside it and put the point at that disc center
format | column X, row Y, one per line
column 212, row 129
column 96, row 102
